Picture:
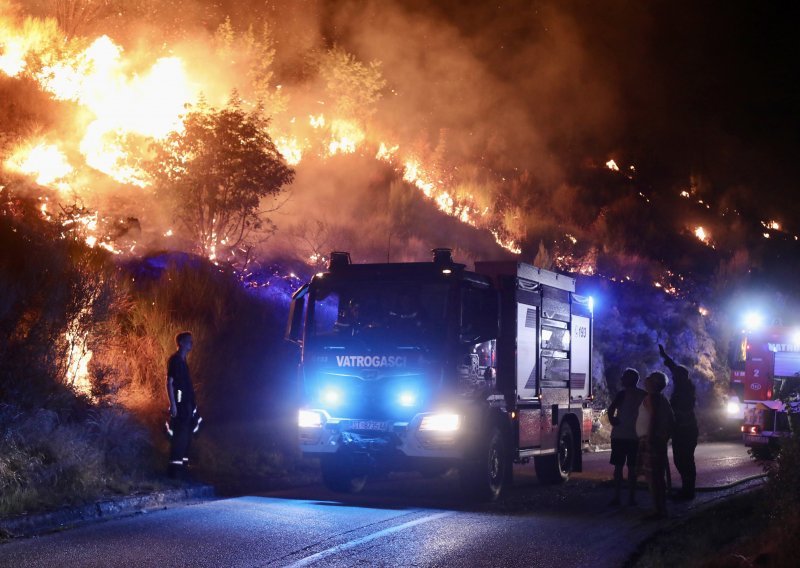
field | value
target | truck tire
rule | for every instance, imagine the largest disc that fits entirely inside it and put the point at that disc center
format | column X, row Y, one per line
column 338, row 476
column 556, row 468
column 485, row 477
column 764, row 452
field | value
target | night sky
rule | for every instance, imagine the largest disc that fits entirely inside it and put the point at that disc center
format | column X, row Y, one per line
column 696, row 87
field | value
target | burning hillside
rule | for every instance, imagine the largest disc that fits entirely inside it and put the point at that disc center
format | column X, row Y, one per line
column 117, row 105
column 428, row 117
column 147, row 147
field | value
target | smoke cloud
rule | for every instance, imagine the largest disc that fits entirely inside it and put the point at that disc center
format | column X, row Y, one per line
column 509, row 114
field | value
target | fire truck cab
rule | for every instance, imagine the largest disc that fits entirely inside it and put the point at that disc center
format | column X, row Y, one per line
column 428, row 366
column 771, row 387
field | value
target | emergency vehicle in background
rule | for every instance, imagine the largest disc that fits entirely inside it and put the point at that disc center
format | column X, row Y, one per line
column 427, row 366
column 766, row 383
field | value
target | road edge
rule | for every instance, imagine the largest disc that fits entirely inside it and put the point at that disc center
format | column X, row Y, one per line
column 676, row 523
column 24, row 526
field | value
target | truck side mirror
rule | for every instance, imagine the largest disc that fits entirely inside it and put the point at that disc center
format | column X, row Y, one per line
column 294, row 331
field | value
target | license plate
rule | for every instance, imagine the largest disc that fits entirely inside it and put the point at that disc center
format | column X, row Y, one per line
column 368, row 425
column 749, row 439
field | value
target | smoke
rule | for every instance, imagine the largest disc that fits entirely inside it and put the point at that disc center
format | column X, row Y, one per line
column 506, row 114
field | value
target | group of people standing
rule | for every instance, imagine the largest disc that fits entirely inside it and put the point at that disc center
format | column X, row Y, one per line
column 643, row 421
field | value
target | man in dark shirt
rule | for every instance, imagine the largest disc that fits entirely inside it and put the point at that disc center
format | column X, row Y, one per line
column 182, row 406
column 684, row 437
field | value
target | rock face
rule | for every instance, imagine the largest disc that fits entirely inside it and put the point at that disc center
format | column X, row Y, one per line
column 631, row 323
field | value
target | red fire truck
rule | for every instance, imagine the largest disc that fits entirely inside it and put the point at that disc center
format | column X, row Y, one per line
column 769, row 386
column 428, row 366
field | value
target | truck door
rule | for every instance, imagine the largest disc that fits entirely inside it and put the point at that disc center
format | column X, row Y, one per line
column 580, row 349
column 528, row 405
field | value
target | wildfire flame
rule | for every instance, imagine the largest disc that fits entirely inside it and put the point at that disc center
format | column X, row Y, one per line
column 78, row 357
column 121, row 103
column 124, row 105
column 45, row 162
column 290, row 149
column 702, row 235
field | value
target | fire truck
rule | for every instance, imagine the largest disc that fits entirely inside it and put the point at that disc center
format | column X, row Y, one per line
column 428, row 366
column 769, row 386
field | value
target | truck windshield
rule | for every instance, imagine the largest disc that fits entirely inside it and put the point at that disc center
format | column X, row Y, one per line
column 393, row 311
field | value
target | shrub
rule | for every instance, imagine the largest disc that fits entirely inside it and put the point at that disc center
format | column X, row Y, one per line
column 47, row 462
column 58, row 446
column 53, row 291
column 239, row 367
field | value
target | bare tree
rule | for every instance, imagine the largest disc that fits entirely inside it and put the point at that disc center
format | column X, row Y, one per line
column 75, row 15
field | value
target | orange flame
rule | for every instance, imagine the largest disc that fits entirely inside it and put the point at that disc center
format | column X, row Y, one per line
column 45, row 162
column 120, row 104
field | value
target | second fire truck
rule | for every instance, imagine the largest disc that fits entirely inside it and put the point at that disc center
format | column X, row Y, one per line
column 766, row 383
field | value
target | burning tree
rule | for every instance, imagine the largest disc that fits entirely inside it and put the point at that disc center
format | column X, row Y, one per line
column 354, row 87
column 216, row 171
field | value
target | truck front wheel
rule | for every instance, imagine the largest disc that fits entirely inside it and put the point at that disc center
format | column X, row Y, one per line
column 339, row 476
column 484, row 478
column 556, row 468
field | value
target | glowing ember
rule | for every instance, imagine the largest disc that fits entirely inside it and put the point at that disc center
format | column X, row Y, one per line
column 685, row 193
column 701, row 234
column 702, row 311
column 667, row 288
column 612, row 165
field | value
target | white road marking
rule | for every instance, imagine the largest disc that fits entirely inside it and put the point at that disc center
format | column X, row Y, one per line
column 353, row 543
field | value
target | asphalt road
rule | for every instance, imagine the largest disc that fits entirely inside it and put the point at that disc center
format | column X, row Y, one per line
column 401, row 521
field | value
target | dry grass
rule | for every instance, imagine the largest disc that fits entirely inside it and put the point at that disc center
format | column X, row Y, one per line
column 46, row 462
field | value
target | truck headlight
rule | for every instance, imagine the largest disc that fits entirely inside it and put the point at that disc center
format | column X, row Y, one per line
column 733, row 407
column 407, row 398
column 309, row 419
column 443, row 422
